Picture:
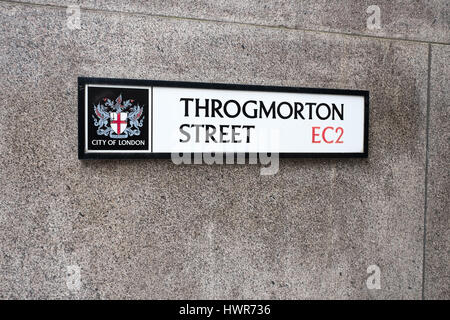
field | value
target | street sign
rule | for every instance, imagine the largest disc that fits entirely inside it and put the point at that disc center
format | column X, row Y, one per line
column 153, row 119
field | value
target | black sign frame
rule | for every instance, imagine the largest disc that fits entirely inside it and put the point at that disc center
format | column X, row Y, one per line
column 83, row 81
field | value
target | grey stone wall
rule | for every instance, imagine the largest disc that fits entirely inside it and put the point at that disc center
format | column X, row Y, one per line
column 210, row 232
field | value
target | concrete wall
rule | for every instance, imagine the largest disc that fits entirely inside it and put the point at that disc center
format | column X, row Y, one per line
column 210, row 232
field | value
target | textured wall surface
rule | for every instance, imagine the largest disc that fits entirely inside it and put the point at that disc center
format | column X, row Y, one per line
column 437, row 254
column 210, row 232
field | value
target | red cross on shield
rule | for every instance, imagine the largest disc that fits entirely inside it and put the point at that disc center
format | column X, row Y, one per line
column 118, row 121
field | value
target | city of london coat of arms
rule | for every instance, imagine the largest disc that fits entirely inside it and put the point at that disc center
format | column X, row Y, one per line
column 118, row 119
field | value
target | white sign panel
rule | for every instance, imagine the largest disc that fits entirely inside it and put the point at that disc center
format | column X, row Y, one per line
column 139, row 119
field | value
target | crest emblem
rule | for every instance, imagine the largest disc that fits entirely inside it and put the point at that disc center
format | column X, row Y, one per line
column 118, row 119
